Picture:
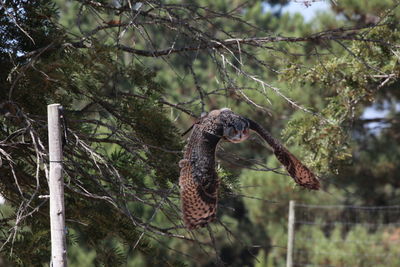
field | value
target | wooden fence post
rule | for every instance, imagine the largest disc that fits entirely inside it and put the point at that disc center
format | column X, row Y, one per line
column 56, row 188
column 290, row 244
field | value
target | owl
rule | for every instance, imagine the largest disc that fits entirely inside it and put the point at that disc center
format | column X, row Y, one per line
column 198, row 179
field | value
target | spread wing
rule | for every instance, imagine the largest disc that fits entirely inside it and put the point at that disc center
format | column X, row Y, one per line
column 297, row 170
column 198, row 180
column 198, row 206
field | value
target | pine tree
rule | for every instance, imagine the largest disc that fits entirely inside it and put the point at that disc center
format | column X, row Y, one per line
column 129, row 75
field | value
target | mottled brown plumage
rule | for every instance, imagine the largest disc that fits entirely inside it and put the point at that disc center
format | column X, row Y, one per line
column 297, row 170
column 198, row 179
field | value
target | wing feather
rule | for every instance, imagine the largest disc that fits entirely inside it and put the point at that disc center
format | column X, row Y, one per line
column 197, row 209
column 296, row 169
column 198, row 180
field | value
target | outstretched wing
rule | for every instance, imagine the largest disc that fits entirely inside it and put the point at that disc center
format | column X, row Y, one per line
column 198, row 179
column 297, row 170
column 199, row 205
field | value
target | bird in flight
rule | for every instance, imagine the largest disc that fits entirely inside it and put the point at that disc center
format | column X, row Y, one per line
column 198, row 178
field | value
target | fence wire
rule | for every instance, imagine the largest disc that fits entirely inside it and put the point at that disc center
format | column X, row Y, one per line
column 344, row 236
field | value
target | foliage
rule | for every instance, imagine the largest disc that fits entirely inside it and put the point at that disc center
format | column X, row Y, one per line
column 129, row 75
column 357, row 247
column 131, row 136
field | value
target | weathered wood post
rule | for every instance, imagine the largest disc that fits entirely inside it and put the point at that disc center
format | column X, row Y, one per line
column 56, row 188
column 290, row 243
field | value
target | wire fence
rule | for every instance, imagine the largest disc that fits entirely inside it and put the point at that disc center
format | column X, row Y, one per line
column 344, row 236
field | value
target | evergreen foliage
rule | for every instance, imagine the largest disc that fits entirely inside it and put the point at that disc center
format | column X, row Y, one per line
column 131, row 77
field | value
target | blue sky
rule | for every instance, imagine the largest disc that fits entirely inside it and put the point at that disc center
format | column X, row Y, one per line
column 308, row 12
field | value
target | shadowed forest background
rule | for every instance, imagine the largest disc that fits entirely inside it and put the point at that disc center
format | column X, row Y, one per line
column 133, row 76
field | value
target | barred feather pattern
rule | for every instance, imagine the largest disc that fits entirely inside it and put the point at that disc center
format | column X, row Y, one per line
column 197, row 211
column 296, row 169
column 198, row 179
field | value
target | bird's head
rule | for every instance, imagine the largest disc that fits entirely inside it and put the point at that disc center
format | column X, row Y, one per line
column 235, row 127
